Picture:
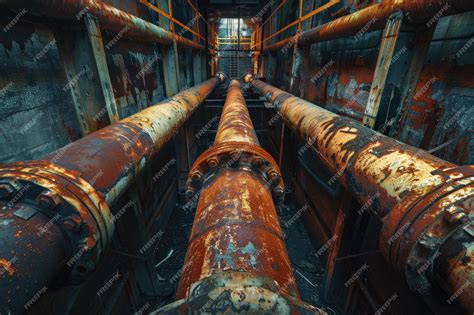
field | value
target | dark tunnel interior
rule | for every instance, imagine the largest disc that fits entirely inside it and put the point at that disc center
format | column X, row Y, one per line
column 236, row 157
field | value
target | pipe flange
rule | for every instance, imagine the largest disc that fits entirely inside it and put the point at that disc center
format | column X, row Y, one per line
column 248, row 77
column 236, row 155
column 412, row 244
column 71, row 203
column 221, row 75
column 230, row 291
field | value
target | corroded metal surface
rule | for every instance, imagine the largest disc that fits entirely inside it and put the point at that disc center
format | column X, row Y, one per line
column 233, row 292
column 236, row 228
column 236, row 242
column 121, row 150
column 111, row 19
column 69, row 192
column 411, row 191
column 235, row 124
column 374, row 18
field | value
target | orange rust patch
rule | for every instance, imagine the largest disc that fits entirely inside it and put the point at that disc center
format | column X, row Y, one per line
column 7, row 266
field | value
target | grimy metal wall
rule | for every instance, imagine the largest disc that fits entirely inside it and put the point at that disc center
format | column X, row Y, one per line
column 434, row 59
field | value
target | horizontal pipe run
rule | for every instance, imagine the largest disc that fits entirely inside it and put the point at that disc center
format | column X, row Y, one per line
column 374, row 18
column 111, row 20
column 235, row 124
column 422, row 201
column 65, row 225
column 121, row 150
column 236, row 246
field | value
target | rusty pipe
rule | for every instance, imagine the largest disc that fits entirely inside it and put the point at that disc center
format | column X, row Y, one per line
column 236, row 259
column 55, row 214
column 110, row 19
column 235, row 124
column 374, row 18
column 423, row 202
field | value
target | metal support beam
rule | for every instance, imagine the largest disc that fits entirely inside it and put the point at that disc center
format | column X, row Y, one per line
column 382, row 89
column 84, row 67
column 402, row 51
column 271, row 66
column 423, row 202
column 297, row 82
column 197, row 67
column 95, row 38
column 68, row 194
column 204, row 66
column 170, row 70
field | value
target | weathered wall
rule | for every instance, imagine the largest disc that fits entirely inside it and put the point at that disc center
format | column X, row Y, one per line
column 37, row 115
column 341, row 73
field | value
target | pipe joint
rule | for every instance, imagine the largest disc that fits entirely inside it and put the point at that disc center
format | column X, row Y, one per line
column 412, row 242
column 236, row 155
column 237, row 292
column 221, row 76
column 71, row 203
column 248, row 77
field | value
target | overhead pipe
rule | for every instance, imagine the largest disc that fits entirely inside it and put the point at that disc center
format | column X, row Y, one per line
column 236, row 259
column 374, row 18
column 424, row 203
column 110, row 19
column 55, row 212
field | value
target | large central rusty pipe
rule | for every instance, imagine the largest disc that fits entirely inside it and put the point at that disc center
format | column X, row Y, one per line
column 110, row 19
column 425, row 203
column 236, row 259
column 55, row 215
column 375, row 17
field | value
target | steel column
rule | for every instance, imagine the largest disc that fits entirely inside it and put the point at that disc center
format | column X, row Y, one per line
column 95, row 38
column 55, row 212
column 236, row 259
column 402, row 51
column 197, row 64
column 423, row 202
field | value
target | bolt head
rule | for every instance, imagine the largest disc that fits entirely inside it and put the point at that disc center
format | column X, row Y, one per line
column 272, row 173
column 9, row 187
column 5, row 191
column 48, row 200
column 258, row 161
column 213, row 162
column 455, row 215
column 196, row 176
column 279, row 190
column 189, row 192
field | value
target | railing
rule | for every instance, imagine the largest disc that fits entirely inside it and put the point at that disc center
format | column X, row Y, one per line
column 173, row 21
column 297, row 22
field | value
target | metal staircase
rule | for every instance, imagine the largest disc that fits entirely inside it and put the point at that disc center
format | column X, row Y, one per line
column 234, row 69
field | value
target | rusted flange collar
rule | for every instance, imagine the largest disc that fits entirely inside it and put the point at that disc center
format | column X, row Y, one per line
column 411, row 237
column 221, row 75
column 231, row 291
column 77, row 207
column 248, row 77
column 236, row 155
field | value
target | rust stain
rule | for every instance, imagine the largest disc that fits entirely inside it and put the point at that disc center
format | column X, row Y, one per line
column 7, row 266
column 236, row 227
